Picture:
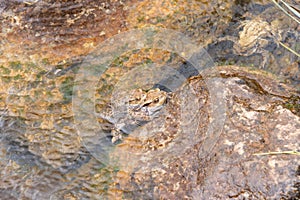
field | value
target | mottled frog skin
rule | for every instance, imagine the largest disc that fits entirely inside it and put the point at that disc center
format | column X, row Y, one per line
column 146, row 105
column 255, row 37
column 143, row 106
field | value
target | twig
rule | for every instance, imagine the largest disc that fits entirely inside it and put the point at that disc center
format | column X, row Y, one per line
column 291, row 50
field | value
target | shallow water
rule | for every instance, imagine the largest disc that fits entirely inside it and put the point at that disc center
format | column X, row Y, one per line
column 44, row 47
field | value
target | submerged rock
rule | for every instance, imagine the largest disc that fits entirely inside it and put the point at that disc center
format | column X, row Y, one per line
column 257, row 122
column 44, row 41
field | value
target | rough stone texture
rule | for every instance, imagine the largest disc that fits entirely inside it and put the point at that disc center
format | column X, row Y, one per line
column 41, row 154
column 256, row 122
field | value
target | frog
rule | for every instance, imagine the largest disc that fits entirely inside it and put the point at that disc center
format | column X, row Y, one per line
column 256, row 36
column 146, row 105
column 142, row 106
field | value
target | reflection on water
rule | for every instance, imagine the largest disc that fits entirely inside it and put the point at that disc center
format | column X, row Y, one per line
column 41, row 153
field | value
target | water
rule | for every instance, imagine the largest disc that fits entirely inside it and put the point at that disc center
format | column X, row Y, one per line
column 43, row 45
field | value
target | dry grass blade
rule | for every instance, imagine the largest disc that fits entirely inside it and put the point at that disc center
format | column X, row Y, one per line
column 292, row 9
column 289, row 7
column 31, row 2
column 278, row 153
column 291, row 50
column 296, row 12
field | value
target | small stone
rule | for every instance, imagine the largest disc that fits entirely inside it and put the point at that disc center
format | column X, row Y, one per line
column 102, row 33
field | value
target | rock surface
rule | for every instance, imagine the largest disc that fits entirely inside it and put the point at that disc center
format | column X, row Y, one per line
column 257, row 121
column 42, row 157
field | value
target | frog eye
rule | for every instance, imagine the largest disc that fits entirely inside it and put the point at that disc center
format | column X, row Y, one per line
column 155, row 100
